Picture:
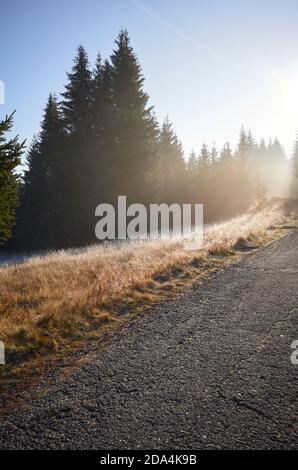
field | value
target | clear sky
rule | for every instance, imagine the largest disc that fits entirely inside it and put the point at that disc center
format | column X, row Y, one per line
column 210, row 65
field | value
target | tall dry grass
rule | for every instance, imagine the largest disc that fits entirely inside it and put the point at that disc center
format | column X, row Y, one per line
column 54, row 300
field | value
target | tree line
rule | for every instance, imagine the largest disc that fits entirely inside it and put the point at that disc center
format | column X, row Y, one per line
column 101, row 139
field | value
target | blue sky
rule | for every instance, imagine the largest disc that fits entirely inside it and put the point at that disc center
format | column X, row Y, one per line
column 210, row 65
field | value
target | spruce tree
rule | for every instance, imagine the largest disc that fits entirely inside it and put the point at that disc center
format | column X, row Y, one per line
column 78, row 204
column 103, row 117
column 135, row 125
column 204, row 174
column 171, row 164
column 276, row 153
column 224, row 184
column 42, row 194
column 262, row 148
column 204, row 159
column 192, row 161
column 250, row 140
column 97, row 101
column 242, row 144
column 52, row 146
column 76, row 105
column 191, row 180
column 245, row 171
column 10, row 157
column 214, row 154
column 27, row 233
column 226, row 154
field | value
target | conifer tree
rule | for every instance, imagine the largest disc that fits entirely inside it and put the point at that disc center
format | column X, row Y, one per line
column 52, row 144
column 214, row 154
column 79, row 153
column 103, row 116
column 10, row 157
column 262, row 148
column 276, row 153
column 192, row 161
column 204, row 158
column 97, row 114
column 204, row 174
column 135, row 125
column 76, row 105
column 226, row 154
column 250, row 140
column 191, row 181
column 27, row 231
column 42, row 194
column 171, row 164
column 244, row 165
column 242, row 144
column 223, row 196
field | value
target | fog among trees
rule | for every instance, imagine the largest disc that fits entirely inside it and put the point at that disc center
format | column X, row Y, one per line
column 101, row 139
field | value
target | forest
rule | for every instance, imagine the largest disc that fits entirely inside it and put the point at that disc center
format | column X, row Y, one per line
column 101, row 139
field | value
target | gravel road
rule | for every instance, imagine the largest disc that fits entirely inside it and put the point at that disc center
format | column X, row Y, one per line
column 210, row 369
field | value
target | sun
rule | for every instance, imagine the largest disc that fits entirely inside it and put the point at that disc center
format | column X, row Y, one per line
column 288, row 93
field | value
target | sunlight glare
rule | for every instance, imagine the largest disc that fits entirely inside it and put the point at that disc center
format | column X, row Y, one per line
column 289, row 90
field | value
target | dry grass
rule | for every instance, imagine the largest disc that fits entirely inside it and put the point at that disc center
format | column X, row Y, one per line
column 55, row 301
